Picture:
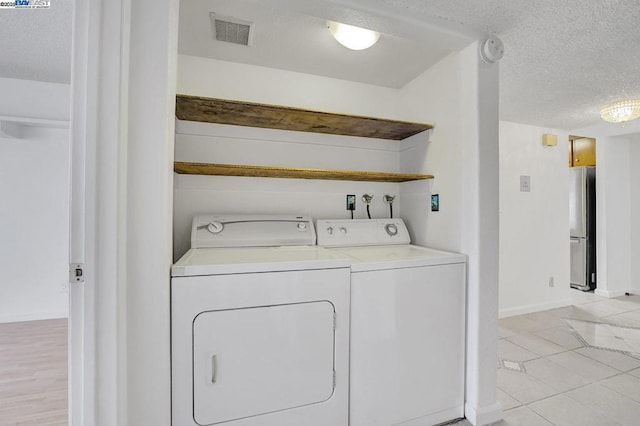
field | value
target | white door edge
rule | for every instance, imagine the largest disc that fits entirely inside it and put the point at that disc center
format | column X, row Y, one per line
column 81, row 345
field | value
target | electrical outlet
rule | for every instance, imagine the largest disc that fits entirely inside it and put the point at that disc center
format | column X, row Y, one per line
column 525, row 183
column 351, row 202
column 551, row 282
column 435, row 202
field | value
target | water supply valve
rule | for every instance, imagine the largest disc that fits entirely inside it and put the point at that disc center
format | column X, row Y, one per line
column 367, row 200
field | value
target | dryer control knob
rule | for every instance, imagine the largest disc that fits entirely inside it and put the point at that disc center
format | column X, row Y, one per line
column 330, row 230
column 215, row 227
column 343, row 230
column 391, row 229
column 302, row 226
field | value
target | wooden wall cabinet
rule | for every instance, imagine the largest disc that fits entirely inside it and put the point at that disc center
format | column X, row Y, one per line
column 582, row 151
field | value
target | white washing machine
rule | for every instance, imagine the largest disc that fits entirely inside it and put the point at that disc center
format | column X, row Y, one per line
column 407, row 324
column 259, row 325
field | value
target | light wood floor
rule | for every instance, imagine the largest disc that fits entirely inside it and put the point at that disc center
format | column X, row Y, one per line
column 33, row 373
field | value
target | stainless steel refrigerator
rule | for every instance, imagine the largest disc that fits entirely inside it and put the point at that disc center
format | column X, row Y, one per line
column 582, row 222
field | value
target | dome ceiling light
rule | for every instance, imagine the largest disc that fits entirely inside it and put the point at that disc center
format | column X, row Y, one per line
column 354, row 38
column 621, row 111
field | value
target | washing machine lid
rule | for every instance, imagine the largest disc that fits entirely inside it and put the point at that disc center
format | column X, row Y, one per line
column 243, row 230
column 375, row 258
column 214, row 261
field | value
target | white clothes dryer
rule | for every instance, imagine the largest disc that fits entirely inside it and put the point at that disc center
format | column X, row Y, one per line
column 260, row 335
column 407, row 324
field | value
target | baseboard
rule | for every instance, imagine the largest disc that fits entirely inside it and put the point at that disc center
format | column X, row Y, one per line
column 536, row 307
column 483, row 415
column 610, row 294
column 37, row 316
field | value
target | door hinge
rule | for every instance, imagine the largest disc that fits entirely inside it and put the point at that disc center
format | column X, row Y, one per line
column 593, row 277
column 76, row 273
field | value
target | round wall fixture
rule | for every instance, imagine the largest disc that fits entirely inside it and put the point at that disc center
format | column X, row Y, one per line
column 491, row 49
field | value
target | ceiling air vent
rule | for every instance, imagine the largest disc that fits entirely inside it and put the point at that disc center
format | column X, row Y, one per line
column 231, row 30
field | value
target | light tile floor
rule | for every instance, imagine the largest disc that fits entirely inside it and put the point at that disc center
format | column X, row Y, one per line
column 578, row 365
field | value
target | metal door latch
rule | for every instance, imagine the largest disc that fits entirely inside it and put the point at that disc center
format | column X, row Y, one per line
column 76, row 273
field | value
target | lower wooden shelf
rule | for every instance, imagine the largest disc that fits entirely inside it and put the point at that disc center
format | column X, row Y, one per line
column 292, row 173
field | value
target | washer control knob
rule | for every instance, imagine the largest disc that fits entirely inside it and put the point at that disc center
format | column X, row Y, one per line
column 391, row 229
column 215, row 227
column 343, row 230
column 302, row 226
column 330, row 230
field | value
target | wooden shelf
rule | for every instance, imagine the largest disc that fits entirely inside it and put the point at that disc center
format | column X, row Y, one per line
column 211, row 110
column 293, row 173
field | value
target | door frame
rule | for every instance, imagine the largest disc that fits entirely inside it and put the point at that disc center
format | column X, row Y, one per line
column 97, row 389
column 81, row 294
column 121, row 210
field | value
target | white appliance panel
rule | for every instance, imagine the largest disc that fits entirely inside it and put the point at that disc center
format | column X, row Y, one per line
column 362, row 232
column 242, row 230
column 254, row 361
column 407, row 345
column 195, row 295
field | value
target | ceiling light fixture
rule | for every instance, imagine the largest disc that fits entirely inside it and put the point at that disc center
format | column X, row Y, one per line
column 621, row 111
column 354, row 38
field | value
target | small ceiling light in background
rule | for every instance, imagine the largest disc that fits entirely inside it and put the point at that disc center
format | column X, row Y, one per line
column 354, row 38
column 621, row 111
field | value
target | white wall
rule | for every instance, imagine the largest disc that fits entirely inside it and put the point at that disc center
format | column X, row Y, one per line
column 634, row 159
column 534, row 226
column 204, row 142
column 440, row 157
column 26, row 99
column 227, row 80
column 613, row 216
column 148, row 195
column 34, row 214
column 34, row 225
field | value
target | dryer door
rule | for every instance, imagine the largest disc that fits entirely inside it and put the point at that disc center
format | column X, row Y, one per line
column 253, row 361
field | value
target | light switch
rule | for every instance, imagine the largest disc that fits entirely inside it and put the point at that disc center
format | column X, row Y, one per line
column 525, row 183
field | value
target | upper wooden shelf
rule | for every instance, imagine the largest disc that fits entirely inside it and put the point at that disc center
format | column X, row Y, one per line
column 294, row 173
column 211, row 110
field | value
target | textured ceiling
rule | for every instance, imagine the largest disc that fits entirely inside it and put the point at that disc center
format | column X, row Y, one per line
column 563, row 59
column 568, row 59
column 36, row 43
